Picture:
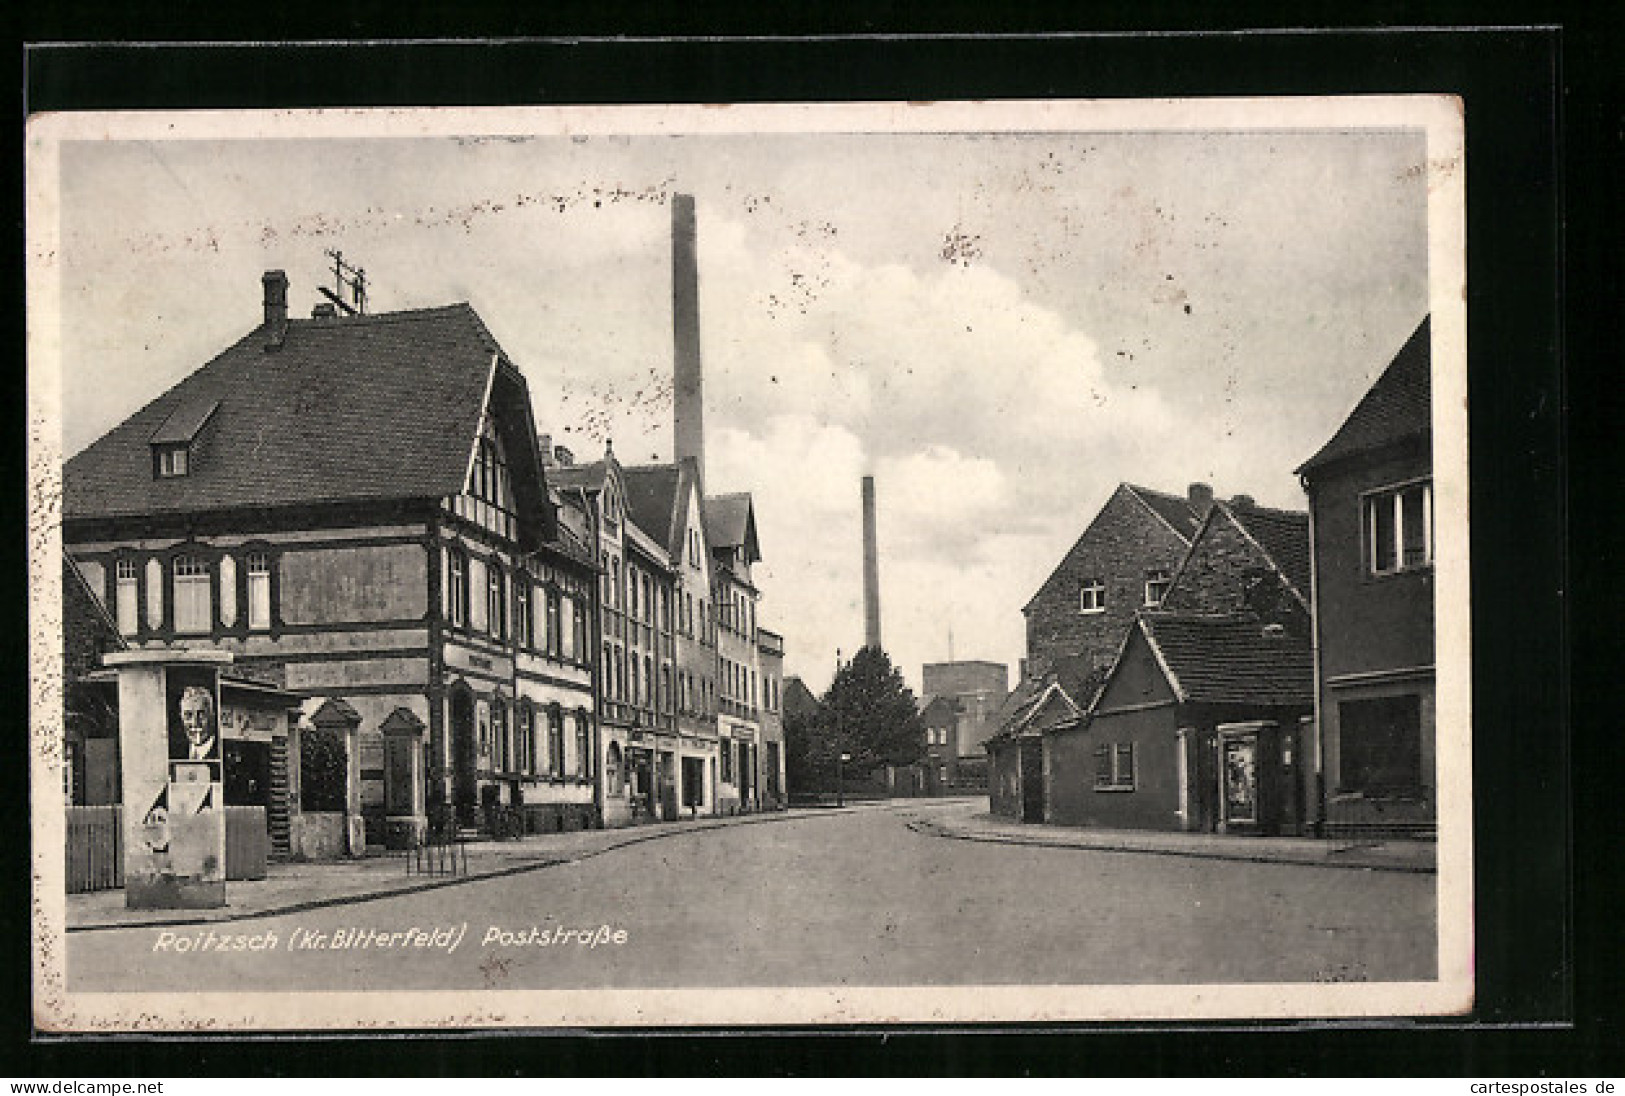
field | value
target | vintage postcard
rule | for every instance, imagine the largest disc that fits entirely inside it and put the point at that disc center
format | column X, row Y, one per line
column 749, row 565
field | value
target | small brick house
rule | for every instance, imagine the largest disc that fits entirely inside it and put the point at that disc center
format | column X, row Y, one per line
column 1201, row 723
column 1123, row 561
column 1371, row 499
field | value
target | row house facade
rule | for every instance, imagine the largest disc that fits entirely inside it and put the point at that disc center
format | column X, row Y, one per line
column 355, row 508
column 1371, row 498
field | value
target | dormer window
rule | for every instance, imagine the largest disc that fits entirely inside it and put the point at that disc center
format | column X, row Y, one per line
column 171, row 461
column 172, row 442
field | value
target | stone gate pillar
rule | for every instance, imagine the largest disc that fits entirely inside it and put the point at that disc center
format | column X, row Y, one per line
column 336, row 714
column 171, row 761
column 403, row 779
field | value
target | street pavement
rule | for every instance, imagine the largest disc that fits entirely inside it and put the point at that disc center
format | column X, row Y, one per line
column 873, row 897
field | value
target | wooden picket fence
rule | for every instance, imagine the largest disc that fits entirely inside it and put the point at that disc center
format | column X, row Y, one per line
column 95, row 852
column 95, row 858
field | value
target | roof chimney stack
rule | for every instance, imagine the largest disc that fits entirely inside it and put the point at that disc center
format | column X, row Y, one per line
column 275, row 283
column 1243, row 502
column 1200, row 497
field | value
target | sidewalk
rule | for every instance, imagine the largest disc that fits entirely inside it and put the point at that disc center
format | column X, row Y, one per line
column 1374, row 855
column 294, row 887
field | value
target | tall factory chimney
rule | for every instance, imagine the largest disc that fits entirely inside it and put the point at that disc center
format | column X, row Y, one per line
column 871, row 568
column 688, row 402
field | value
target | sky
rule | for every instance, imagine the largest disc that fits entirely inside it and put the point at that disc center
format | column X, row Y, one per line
column 999, row 327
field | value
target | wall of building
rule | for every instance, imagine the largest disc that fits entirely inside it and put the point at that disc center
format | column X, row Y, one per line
column 1120, row 545
column 1004, row 779
column 1152, row 804
column 1367, row 622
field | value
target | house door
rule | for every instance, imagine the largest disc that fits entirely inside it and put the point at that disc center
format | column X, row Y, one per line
column 1032, row 780
column 465, row 792
column 1238, row 780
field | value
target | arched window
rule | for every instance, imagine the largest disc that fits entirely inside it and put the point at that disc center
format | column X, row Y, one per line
column 193, row 598
column 614, row 774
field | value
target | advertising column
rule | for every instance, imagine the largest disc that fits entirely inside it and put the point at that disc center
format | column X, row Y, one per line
column 171, row 760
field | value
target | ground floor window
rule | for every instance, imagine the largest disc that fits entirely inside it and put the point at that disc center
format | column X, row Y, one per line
column 1114, row 766
column 1380, row 744
column 727, row 763
column 694, row 782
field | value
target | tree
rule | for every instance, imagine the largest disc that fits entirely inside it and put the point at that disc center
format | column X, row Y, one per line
column 809, row 764
column 869, row 713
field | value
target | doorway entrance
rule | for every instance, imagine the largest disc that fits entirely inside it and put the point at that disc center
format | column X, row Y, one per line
column 1032, row 780
column 465, row 790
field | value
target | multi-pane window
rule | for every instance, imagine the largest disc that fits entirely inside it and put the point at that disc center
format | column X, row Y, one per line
column 583, row 749
column 555, row 741
column 1092, row 597
column 259, row 591
column 1157, row 581
column 1399, row 528
column 1114, row 766
column 194, row 603
column 521, row 738
column 172, row 462
column 502, row 759
column 127, row 596
column 552, row 621
column 496, row 602
column 727, row 755
column 457, row 587
column 648, row 681
column 521, row 611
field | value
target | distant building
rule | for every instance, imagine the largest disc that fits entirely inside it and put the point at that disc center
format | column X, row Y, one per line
column 775, row 793
column 1371, row 503
column 978, row 689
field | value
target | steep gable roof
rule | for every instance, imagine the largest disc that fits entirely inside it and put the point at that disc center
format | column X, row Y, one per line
column 375, row 407
column 1398, row 407
column 1229, row 659
column 1174, row 510
column 1284, row 537
column 581, row 477
column 1170, row 511
column 657, row 499
column 731, row 522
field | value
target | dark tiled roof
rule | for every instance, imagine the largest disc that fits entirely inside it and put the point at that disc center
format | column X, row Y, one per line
column 372, row 407
column 1229, row 660
column 1397, row 407
column 1174, row 509
column 651, row 496
column 730, row 523
column 581, row 477
column 1284, row 534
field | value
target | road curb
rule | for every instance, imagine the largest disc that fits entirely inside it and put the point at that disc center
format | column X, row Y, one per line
column 306, row 905
column 920, row 826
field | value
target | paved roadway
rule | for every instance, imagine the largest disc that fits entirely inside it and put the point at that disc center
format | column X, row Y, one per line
column 854, row 898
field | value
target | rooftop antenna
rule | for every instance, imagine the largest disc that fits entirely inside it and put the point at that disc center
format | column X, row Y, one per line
column 348, row 282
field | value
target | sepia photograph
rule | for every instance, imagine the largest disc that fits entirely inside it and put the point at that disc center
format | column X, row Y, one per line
column 657, row 566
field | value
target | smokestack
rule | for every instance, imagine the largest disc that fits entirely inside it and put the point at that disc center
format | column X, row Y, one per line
column 689, row 403
column 871, row 568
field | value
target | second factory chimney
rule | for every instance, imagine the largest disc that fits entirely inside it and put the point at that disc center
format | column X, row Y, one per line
column 871, row 568
column 688, row 398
